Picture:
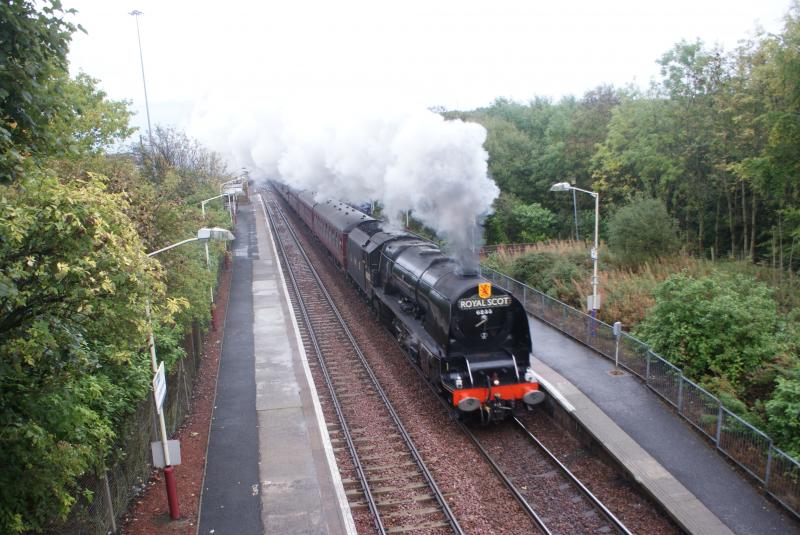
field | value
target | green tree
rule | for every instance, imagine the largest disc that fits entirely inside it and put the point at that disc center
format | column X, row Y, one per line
column 91, row 122
column 533, row 223
column 636, row 156
column 718, row 327
column 73, row 283
column 514, row 221
column 642, row 231
column 33, row 60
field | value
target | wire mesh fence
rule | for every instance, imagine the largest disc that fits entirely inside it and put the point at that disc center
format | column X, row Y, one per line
column 633, row 355
column 664, row 378
column 700, row 408
column 784, row 479
column 743, row 443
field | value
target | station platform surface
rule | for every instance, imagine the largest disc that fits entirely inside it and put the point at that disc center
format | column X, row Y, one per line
column 699, row 489
column 270, row 465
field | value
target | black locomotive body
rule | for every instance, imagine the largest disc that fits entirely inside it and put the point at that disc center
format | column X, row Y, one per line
column 470, row 337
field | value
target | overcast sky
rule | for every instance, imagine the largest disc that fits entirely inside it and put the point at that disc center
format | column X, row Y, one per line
column 459, row 54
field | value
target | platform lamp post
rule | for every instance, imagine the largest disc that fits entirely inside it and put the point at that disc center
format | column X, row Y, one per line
column 594, row 305
column 226, row 186
column 246, row 181
column 208, row 257
column 204, row 235
column 135, row 13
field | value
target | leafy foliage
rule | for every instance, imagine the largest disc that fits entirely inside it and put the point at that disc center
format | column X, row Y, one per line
column 91, row 122
column 783, row 412
column 73, row 282
column 642, row 231
column 74, row 277
column 555, row 274
column 514, row 221
column 33, row 52
column 715, row 326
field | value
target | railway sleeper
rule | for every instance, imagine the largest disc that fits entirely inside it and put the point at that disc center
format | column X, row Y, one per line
column 382, row 456
column 390, row 439
column 415, row 512
column 387, row 503
column 396, row 488
column 384, row 467
column 418, row 527
column 407, row 475
column 387, row 431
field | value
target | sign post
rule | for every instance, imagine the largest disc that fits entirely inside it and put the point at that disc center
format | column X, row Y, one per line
column 159, row 394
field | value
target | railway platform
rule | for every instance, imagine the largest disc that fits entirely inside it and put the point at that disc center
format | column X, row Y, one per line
column 697, row 487
column 270, row 465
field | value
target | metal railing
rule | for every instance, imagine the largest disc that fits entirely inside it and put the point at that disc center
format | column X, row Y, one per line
column 743, row 443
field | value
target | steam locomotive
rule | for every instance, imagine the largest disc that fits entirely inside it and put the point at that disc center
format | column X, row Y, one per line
column 470, row 338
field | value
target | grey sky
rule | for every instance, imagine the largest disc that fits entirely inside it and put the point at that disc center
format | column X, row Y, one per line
column 458, row 54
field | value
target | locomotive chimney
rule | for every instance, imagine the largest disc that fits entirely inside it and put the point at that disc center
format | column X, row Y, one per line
column 465, row 271
column 468, row 265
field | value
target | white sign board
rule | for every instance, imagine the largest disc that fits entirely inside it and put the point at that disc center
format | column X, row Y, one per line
column 232, row 190
column 159, row 387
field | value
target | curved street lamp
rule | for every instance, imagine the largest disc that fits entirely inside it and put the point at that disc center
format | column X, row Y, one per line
column 204, row 235
column 594, row 305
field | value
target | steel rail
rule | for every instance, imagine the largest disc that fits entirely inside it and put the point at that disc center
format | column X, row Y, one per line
column 439, row 496
column 566, row 471
column 486, row 455
column 295, row 287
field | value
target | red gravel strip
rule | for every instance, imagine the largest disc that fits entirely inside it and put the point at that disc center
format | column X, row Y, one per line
column 150, row 514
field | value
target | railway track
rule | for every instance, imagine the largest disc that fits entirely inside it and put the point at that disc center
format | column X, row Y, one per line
column 562, row 502
column 389, row 478
column 555, row 500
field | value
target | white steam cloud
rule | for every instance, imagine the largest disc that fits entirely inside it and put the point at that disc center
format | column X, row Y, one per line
column 406, row 161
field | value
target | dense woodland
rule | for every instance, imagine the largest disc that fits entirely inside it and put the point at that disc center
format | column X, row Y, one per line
column 76, row 221
column 717, row 139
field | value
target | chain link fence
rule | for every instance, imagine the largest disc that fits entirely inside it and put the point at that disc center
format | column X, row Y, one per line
column 744, row 444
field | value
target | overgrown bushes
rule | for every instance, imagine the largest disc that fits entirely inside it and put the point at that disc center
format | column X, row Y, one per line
column 718, row 328
column 74, row 279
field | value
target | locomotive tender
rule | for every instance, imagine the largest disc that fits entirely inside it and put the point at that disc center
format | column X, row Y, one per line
column 470, row 338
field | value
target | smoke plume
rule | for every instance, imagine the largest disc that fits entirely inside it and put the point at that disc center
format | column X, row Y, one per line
column 406, row 161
